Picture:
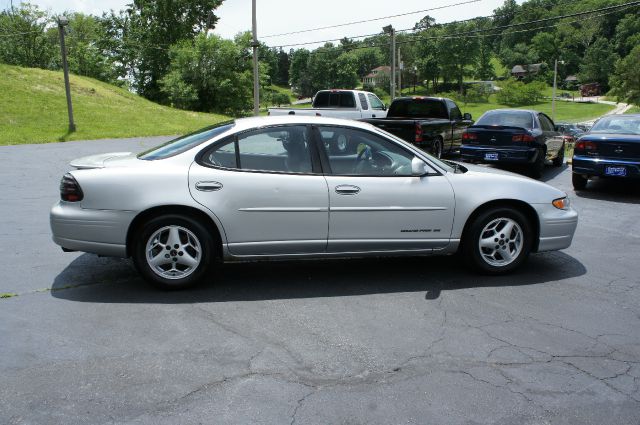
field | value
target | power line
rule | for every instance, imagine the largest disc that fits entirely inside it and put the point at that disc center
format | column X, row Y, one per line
column 614, row 9
column 473, row 34
column 372, row 19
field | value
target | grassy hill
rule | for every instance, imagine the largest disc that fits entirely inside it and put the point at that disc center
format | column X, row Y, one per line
column 33, row 109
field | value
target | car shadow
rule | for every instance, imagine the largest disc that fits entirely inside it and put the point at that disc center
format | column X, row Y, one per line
column 551, row 172
column 109, row 280
column 611, row 189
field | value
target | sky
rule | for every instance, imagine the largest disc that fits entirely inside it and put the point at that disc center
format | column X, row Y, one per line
column 280, row 16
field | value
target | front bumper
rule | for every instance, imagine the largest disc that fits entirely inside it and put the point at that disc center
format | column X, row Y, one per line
column 557, row 227
column 102, row 232
column 593, row 166
column 510, row 155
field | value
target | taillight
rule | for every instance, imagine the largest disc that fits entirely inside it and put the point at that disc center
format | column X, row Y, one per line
column 70, row 189
column 469, row 137
column 418, row 133
column 589, row 147
column 523, row 138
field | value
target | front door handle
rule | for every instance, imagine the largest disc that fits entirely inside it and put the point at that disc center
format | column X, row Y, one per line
column 347, row 189
column 208, row 186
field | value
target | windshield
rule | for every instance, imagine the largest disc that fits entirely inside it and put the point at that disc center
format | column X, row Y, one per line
column 618, row 124
column 418, row 108
column 522, row 119
column 184, row 143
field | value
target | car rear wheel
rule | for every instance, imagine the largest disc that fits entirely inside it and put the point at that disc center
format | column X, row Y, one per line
column 436, row 148
column 559, row 159
column 579, row 181
column 173, row 251
column 538, row 166
column 498, row 241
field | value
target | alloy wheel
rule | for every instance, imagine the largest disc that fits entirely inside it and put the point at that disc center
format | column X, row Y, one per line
column 501, row 242
column 173, row 252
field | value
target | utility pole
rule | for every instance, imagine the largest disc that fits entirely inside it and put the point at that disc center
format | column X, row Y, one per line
column 393, row 63
column 389, row 30
column 62, row 22
column 256, row 82
column 553, row 93
column 400, row 66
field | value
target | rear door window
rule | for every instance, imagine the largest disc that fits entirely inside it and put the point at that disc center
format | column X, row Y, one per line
column 363, row 101
column 284, row 149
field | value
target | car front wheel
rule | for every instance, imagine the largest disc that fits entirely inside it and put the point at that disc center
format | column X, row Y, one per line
column 173, row 251
column 436, row 148
column 498, row 241
column 558, row 161
column 579, row 181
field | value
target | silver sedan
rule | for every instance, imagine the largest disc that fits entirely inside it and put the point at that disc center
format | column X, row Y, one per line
column 300, row 187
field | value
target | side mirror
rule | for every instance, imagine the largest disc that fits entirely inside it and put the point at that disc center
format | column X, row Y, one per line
column 466, row 116
column 384, row 107
column 419, row 167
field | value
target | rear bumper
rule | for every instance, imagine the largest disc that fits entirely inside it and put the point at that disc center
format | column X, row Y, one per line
column 596, row 166
column 557, row 227
column 102, row 232
column 509, row 155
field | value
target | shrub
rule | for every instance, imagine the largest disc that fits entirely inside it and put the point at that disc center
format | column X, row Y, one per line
column 476, row 93
column 280, row 99
column 514, row 92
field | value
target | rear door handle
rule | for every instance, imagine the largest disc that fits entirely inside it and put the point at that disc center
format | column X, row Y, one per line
column 347, row 189
column 208, row 186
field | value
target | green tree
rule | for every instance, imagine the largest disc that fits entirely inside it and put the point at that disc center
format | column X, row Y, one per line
column 627, row 34
column 25, row 40
column 153, row 26
column 299, row 75
column 598, row 63
column 83, row 41
column 366, row 60
column 626, row 79
column 209, row 74
column 457, row 54
column 281, row 77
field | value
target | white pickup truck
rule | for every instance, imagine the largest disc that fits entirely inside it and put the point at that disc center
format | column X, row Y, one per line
column 348, row 104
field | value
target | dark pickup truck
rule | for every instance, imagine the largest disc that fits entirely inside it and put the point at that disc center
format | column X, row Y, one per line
column 435, row 124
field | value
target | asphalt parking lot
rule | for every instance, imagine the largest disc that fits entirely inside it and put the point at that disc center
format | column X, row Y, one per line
column 378, row 341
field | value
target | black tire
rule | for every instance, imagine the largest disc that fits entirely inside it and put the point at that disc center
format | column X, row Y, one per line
column 184, row 224
column 436, row 148
column 579, row 181
column 558, row 161
column 537, row 167
column 475, row 256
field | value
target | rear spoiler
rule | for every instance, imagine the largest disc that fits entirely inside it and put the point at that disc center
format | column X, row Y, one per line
column 499, row 127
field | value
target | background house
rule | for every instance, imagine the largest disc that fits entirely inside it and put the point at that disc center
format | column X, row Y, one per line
column 378, row 77
column 523, row 71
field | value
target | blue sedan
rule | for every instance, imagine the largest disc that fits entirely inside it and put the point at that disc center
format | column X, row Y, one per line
column 610, row 149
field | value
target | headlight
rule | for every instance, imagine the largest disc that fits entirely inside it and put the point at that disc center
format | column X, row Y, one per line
column 562, row 203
